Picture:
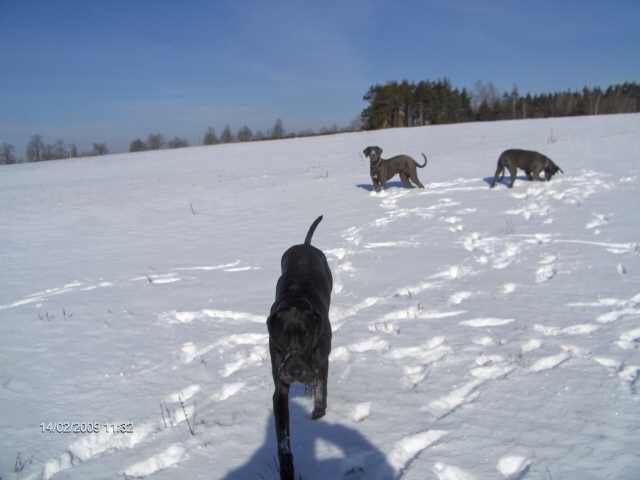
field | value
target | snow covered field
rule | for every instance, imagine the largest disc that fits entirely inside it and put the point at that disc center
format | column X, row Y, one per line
column 478, row 334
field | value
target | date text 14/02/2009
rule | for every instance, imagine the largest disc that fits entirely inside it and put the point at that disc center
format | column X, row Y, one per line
column 86, row 427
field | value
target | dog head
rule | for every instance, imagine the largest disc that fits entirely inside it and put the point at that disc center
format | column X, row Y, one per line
column 375, row 157
column 551, row 169
column 294, row 331
column 373, row 152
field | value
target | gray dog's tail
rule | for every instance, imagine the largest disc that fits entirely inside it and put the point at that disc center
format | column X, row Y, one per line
column 312, row 228
column 425, row 162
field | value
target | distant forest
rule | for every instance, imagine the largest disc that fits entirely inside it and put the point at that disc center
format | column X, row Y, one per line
column 408, row 104
column 393, row 104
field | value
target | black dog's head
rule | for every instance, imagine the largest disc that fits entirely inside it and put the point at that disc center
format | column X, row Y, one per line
column 551, row 169
column 373, row 152
column 375, row 155
column 293, row 338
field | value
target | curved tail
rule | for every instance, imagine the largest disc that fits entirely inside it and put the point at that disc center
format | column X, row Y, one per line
column 312, row 228
column 424, row 164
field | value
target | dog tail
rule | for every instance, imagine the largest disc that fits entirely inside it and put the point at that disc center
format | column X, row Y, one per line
column 424, row 164
column 312, row 228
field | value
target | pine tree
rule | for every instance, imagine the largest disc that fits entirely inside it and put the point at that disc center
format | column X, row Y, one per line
column 210, row 137
column 178, row 142
column 278, row 129
column 227, row 135
column 245, row 134
column 137, row 145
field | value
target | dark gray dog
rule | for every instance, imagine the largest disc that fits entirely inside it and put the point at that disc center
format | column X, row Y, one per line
column 383, row 169
column 533, row 163
column 300, row 336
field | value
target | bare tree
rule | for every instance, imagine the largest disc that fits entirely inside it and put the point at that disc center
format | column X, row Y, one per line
column 35, row 149
column 73, row 150
column 7, row 154
column 100, row 149
column 356, row 124
column 484, row 93
column 155, row 141
column 59, row 150
column 54, row 151
column 515, row 95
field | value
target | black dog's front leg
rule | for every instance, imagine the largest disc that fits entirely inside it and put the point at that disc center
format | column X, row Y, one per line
column 281, row 413
column 499, row 172
column 320, row 393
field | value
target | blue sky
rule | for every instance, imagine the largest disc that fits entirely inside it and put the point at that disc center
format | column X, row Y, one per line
column 111, row 71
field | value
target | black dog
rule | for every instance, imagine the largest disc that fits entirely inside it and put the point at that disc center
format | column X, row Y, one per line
column 383, row 169
column 533, row 163
column 300, row 336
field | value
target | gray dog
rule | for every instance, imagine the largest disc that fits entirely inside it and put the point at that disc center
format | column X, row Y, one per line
column 300, row 337
column 383, row 169
column 533, row 164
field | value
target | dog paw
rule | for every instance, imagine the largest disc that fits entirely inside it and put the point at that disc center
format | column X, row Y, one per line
column 318, row 413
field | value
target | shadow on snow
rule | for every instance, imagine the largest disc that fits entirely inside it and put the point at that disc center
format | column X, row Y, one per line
column 359, row 459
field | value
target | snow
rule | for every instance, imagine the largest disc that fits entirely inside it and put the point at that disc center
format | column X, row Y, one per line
column 171, row 456
column 513, row 466
column 477, row 333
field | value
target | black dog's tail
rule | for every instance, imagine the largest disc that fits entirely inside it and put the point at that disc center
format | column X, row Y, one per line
column 312, row 228
column 424, row 164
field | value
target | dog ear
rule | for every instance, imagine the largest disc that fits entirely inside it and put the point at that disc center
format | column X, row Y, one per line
column 366, row 151
column 378, row 149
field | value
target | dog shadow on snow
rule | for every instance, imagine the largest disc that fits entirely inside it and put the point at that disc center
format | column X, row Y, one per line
column 505, row 180
column 369, row 188
column 358, row 459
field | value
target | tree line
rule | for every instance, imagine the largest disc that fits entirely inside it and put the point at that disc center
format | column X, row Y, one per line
column 408, row 104
column 156, row 141
column 38, row 151
column 393, row 104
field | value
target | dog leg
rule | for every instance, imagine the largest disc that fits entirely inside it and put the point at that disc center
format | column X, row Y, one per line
column 405, row 180
column 281, row 413
column 529, row 176
column 536, row 174
column 414, row 178
column 320, row 393
column 499, row 172
column 513, row 171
